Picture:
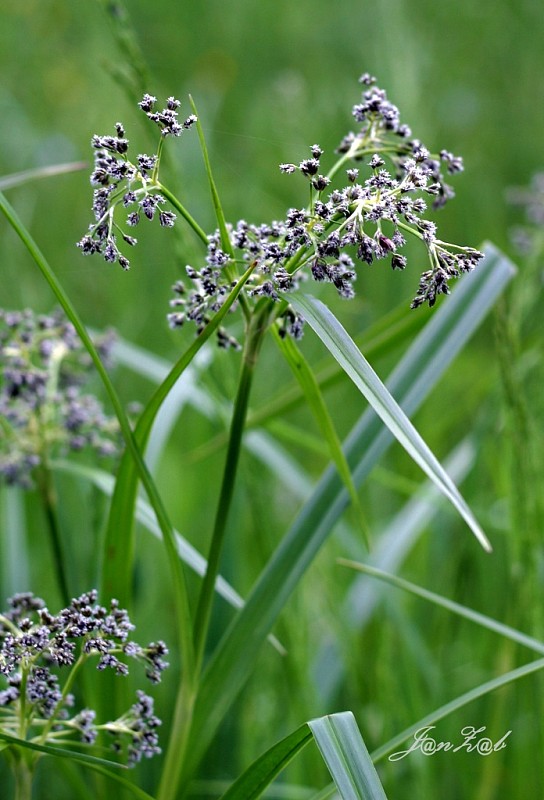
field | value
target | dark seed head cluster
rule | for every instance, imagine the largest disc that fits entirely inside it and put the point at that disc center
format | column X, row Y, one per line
column 367, row 219
column 44, row 410
column 377, row 193
column 129, row 185
column 38, row 651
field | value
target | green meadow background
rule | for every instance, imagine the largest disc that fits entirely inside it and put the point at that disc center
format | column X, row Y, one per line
column 270, row 78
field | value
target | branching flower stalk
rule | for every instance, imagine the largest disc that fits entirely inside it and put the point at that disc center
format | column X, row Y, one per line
column 360, row 222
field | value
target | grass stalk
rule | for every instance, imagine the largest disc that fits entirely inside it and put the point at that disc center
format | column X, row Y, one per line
column 177, row 745
column 173, row 200
column 172, row 772
column 256, row 329
column 23, row 779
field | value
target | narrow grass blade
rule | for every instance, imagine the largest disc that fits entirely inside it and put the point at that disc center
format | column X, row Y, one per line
column 28, row 175
column 347, row 354
column 61, row 752
column 186, row 390
column 92, row 762
column 130, row 787
column 328, row 793
column 347, row 759
column 288, row 472
column 183, row 211
column 304, row 440
column 390, row 747
column 401, row 534
column 307, row 381
column 417, row 373
column 455, row 705
column 392, row 546
column 456, row 608
column 383, row 337
column 218, row 208
column 253, row 782
column 342, row 748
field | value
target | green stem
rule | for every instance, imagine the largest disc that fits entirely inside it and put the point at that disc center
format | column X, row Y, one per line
column 48, row 497
column 22, row 705
column 23, row 779
column 119, row 540
column 183, row 714
column 255, row 333
column 177, row 744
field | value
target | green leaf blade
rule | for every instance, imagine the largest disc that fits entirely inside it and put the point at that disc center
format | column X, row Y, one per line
column 29, row 175
column 347, row 354
column 456, row 704
column 146, row 517
column 252, row 783
column 178, row 577
column 308, row 383
column 346, row 756
column 61, row 752
column 455, row 608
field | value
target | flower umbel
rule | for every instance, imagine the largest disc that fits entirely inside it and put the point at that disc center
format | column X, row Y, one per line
column 38, row 648
column 360, row 222
column 131, row 185
column 389, row 180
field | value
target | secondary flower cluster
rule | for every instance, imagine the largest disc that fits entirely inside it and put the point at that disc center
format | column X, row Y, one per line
column 43, row 410
column 365, row 220
column 36, row 645
column 131, row 185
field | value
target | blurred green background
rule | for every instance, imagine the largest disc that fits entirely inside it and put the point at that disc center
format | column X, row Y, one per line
column 269, row 79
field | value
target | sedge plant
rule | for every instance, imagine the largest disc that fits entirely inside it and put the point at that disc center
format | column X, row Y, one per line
column 251, row 283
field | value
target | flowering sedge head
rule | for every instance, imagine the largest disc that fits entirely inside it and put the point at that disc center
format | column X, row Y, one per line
column 129, row 185
column 390, row 178
column 389, row 181
column 40, row 654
